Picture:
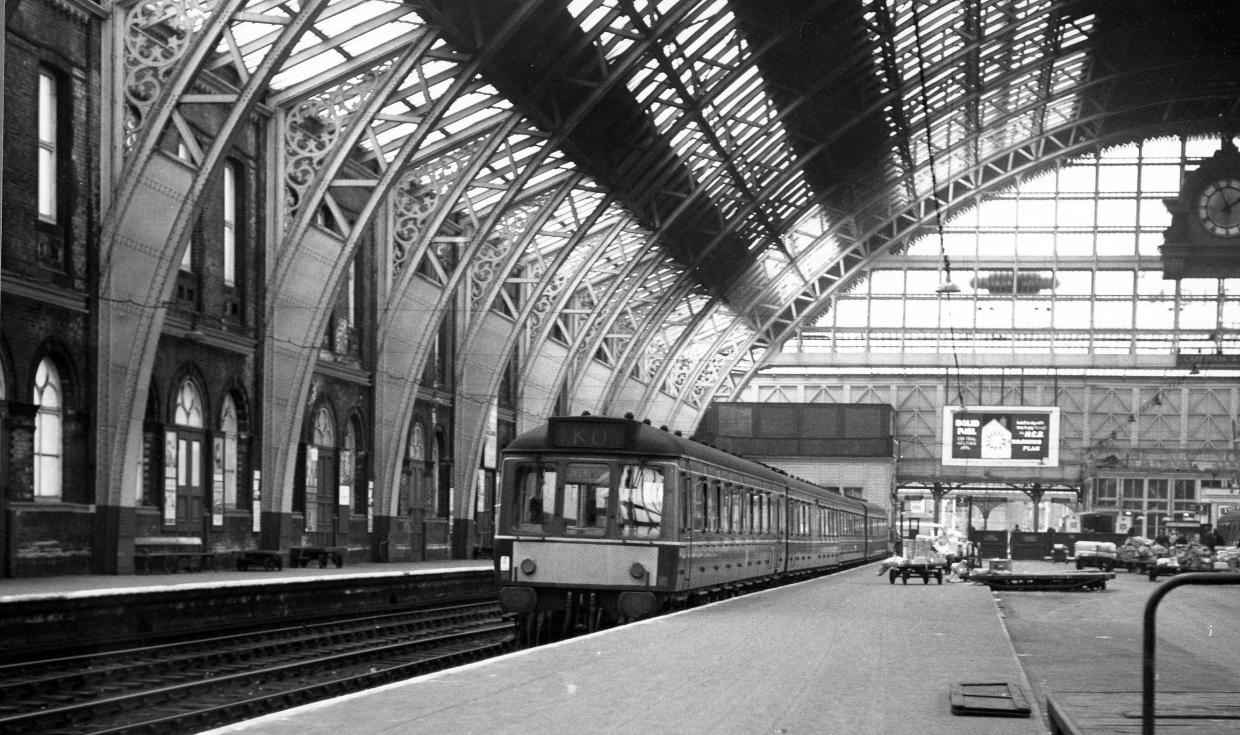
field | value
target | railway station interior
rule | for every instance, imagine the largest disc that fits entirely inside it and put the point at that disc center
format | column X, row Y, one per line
column 285, row 276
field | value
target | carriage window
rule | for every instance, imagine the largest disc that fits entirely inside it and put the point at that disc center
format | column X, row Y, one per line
column 699, row 506
column 714, row 498
column 534, row 486
column 641, row 501
column 585, row 498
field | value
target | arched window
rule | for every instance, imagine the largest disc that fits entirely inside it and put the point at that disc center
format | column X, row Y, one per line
column 47, row 432
column 417, row 444
column 324, row 428
column 228, row 427
column 189, row 406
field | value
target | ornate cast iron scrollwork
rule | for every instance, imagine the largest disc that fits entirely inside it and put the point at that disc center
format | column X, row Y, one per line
column 417, row 197
column 495, row 249
column 313, row 128
column 157, row 35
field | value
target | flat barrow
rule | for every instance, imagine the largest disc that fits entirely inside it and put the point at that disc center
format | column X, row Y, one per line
column 1037, row 582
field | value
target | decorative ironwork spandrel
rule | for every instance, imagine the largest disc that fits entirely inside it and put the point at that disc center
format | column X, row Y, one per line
column 313, row 128
column 542, row 305
column 417, row 198
column 495, row 249
column 157, row 35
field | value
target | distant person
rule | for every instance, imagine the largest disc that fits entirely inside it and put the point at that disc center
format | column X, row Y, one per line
column 1181, row 540
column 1162, row 539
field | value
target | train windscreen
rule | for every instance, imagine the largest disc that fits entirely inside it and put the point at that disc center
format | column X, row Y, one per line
column 641, row 502
column 575, row 498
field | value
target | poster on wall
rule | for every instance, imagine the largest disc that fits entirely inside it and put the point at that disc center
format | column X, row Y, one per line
column 346, row 478
column 1001, row 436
column 256, row 507
column 170, row 478
column 217, row 482
column 370, row 506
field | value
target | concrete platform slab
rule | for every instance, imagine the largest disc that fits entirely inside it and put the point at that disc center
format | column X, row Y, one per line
column 848, row 654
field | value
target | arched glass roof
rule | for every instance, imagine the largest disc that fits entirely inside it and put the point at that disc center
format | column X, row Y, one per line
column 675, row 190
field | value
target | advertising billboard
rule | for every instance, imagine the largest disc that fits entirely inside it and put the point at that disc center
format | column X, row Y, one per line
column 1001, row 436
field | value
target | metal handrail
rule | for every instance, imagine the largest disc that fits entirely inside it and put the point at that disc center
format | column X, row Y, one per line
column 1147, row 654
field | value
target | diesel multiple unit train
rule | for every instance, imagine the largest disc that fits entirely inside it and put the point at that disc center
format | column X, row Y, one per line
column 608, row 519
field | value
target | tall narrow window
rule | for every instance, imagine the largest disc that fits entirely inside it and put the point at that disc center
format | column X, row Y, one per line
column 48, row 129
column 230, row 224
column 47, row 432
column 351, row 293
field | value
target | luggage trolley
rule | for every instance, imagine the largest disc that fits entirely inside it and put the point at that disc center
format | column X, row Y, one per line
column 925, row 561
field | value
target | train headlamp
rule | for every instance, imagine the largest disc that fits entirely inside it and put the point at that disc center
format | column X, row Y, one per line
column 637, row 571
column 528, row 566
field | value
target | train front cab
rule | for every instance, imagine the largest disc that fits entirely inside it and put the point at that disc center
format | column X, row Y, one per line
column 585, row 537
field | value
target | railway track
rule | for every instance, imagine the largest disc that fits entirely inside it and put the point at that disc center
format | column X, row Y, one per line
column 182, row 687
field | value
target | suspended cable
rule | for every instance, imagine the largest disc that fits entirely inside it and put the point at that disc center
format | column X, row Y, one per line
column 947, row 288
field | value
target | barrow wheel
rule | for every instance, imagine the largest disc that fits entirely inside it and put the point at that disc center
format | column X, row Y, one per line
column 272, row 563
column 939, row 577
column 925, row 578
column 892, row 575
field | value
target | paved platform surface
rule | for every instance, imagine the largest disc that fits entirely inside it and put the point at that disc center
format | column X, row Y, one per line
column 848, row 654
column 64, row 587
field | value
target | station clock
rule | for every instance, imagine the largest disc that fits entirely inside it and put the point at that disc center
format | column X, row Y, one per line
column 1203, row 240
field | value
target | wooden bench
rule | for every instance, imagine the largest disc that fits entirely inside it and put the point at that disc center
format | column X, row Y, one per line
column 172, row 554
column 260, row 558
column 301, row 556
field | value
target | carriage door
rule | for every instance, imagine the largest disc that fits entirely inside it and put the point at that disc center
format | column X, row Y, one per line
column 184, row 509
column 321, row 485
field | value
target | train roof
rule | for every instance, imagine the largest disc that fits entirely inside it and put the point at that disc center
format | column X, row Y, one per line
column 629, row 436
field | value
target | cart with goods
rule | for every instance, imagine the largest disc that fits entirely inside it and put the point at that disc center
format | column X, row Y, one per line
column 1100, row 554
column 1137, row 554
column 923, row 560
column 1196, row 558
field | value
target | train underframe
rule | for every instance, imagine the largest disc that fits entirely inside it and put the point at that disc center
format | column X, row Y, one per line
column 557, row 614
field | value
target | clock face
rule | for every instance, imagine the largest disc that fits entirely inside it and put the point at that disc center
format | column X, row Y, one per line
column 1218, row 207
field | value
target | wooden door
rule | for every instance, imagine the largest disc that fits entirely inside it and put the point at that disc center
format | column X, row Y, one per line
column 323, row 532
column 191, row 500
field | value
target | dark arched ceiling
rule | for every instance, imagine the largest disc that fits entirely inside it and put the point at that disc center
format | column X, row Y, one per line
column 856, row 89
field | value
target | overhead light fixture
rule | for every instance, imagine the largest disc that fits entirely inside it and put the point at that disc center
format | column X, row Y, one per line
column 947, row 286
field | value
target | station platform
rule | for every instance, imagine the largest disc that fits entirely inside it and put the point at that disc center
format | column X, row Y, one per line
column 848, row 653
column 93, row 585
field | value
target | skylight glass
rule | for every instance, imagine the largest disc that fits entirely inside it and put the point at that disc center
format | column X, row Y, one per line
column 1054, row 266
